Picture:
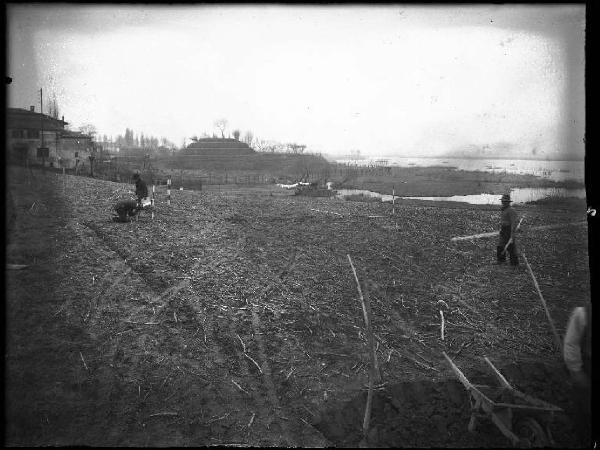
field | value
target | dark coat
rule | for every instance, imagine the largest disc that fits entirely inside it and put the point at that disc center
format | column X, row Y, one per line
column 141, row 190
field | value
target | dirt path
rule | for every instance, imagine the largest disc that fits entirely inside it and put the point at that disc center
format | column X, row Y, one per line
column 233, row 317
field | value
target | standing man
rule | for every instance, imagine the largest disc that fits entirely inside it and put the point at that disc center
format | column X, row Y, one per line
column 129, row 208
column 141, row 190
column 577, row 354
column 508, row 229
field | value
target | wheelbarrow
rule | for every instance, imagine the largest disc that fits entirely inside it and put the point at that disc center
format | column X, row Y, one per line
column 523, row 419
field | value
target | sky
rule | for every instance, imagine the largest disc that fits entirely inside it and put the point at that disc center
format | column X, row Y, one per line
column 385, row 80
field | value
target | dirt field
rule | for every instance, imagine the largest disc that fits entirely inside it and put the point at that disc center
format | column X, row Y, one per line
column 233, row 317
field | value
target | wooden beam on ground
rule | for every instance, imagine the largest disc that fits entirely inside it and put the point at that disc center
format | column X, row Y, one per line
column 495, row 233
column 367, row 315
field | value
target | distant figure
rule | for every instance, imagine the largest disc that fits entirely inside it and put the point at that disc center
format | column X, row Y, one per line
column 508, row 228
column 129, row 208
column 577, row 354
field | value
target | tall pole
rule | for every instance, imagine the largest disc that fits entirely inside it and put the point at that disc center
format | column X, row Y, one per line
column 42, row 115
column 42, row 126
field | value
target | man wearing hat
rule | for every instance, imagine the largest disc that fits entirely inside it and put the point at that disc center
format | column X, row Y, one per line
column 508, row 228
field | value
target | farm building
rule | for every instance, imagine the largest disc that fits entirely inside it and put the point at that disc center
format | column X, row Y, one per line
column 217, row 147
column 24, row 137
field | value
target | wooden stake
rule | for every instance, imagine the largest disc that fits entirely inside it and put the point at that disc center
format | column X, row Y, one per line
column 152, row 206
column 557, row 340
column 367, row 315
column 169, row 191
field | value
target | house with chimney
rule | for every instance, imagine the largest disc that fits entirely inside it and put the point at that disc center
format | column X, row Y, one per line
column 28, row 131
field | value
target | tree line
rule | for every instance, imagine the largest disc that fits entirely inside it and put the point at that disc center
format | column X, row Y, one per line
column 131, row 139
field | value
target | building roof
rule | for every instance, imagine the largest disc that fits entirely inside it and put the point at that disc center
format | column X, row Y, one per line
column 17, row 118
column 67, row 134
column 216, row 146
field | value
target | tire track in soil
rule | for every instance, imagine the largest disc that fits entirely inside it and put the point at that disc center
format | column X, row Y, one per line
column 213, row 345
column 263, row 395
column 215, row 349
column 257, row 409
column 312, row 436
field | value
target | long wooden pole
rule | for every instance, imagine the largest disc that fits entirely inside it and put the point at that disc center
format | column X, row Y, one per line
column 366, row 312
column 495, row 233
column 557, row 340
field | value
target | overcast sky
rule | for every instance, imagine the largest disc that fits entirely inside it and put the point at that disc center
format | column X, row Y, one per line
column 411, row 80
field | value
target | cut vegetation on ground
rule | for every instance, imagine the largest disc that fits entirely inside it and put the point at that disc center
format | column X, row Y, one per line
column 233, row 317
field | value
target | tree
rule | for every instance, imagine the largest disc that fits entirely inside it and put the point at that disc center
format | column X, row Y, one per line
column 236, row 135
column 128, row 138
column 221, row 124
column 248, row 137
column 258, row 144
column 53, row 107
column 88, row 129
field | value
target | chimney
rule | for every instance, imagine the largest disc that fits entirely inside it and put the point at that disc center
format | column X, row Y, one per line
column 32, row 108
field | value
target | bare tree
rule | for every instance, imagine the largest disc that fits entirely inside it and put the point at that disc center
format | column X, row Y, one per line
column 221, row 124
column 248, row 137
column 236, row 135
column 53, row 107
column 88, row 129
column 258, row 144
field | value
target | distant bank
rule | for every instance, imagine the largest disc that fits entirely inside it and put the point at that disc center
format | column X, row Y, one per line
column 550, row 169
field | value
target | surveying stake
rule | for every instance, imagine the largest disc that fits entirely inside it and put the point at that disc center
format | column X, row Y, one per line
column 152, row 202
column 169, row 191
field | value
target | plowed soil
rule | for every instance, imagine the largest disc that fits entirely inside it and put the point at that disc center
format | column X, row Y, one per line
column 233, row 317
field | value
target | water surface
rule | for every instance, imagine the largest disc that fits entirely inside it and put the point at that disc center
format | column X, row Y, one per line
column 552, row 170
column 518, row 195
